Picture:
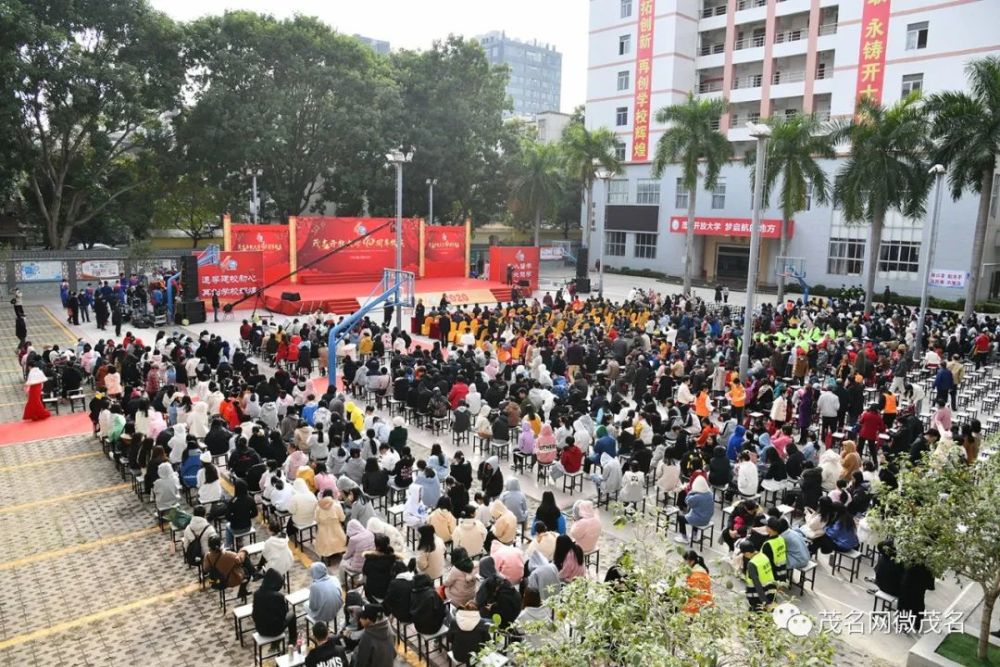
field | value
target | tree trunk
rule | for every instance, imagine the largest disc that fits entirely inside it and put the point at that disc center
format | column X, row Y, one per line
column 782, row 249
column 874, row 244
column 978, row 242
column 989, row 599
column 538, row 226
column 587, row 220
column 689, row 240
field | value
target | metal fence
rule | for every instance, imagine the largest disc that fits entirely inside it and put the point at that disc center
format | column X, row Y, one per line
column 31, row 269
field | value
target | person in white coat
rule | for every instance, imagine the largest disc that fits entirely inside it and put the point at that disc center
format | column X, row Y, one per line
column 276, row 554
column 197, row 421
column 747, row 477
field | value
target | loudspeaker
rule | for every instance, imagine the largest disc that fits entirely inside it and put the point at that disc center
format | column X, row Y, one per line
column 582, row 259
column 524, row 283
column 290, row 296
column 189, row 277
column 583, row 285
column 192, row 311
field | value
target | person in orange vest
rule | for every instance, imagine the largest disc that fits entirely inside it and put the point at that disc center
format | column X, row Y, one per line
column 889, row 405
column 703, row 404
column 737, row 396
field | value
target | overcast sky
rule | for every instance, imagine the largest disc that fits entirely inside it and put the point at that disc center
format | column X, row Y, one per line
column 415, row 24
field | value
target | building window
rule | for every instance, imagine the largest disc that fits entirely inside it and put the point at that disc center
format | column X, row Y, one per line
column 624, row 45
column 719, row 194
column 846, row 257
column 621, row 116
column 618, row 191
column 809, row 195
column 614, row 244
column 647, row 191
column 912, row 82
column 903, row 256
column 916, row 36
column 626, row 8
column 623, row 80
column 680, row 195
column 619, row 151
column 645, row 246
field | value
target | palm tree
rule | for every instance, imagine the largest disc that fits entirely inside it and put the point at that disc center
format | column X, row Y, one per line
column 538, row 184
column 792, row 150
column 967, row 130
column 692, row 137
column 586, row 151
column 885, row 172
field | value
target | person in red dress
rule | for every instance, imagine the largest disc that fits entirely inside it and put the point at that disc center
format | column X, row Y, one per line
column 34, row 409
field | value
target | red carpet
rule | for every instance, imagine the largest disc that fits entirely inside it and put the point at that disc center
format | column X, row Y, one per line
column 56, row 426
column 346, row 297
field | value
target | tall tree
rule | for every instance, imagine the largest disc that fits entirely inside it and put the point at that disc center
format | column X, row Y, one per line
column 692, row 137
column 885, row 172
column 191, row 205
column 791, row 168
column 91, row 78
column 537, row 186
column 967, row 129
column 587, row 151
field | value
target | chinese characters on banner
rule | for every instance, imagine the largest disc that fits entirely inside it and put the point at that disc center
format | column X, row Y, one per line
column 770, row 229
column 871, row 58
column 643, row 82
column 444, row 251
column 524, row 259
column 946, row 278
column 317, row 236
column 270, row 240
column 236, row 273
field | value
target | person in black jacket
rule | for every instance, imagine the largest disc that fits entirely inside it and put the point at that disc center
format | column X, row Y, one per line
column 720, row 470
column 426, row 606
column 461, row 470
column 242, row 459
column 397, row 597
column 327, row 652
column 217, row 438
column 380, row 567
column 794, row 461
column 469, row 633
column 242, row 510
column 491, row 476
column 811, row 486
column 496, row 595
column 375, row 480
column 271, row 615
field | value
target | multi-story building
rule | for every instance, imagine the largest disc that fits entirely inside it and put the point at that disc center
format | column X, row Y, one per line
column 535, row 71
column 379, row 46
column 772, row 58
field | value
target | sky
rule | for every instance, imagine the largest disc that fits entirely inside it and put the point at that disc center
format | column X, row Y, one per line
column 415, row 24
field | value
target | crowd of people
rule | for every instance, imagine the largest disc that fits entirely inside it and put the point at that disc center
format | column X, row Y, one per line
column 638, row 396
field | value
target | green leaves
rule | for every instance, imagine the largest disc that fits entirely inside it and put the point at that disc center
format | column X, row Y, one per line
column 691, row 138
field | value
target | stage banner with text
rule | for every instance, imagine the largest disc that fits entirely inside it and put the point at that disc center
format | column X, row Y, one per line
column 362, row 261
column 770, row 229
column 269, row 240
column 524, row 260
column 871, row 50
column 238, row 272
column 444, row 251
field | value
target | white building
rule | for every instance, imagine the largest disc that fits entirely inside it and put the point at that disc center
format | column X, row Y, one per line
column 773, row 57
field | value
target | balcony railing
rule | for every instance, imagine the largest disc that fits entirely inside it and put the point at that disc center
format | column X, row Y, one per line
column 749, row 42
column 750, row 4
column 828, row 29
column 822, row 115
column 791, row 36
column 714, row 123
column 707, row 49
column 750, row 81
column 787, row 77
column 708, row 12
column 824, row 71
column 709, row 86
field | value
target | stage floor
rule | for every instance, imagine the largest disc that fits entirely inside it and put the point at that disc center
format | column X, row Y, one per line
column 344, row 298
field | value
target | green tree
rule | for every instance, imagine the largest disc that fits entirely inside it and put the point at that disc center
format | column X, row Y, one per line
column 967, row 129
column 692, row 137
column 885, row 172
column 190, row 205
column 91, row 80
column 586, row 151
column 537, row 186
column 791, row 167
column 943, row 516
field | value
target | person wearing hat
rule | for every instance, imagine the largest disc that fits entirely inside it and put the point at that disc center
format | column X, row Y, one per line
column 776, row 550
column 758, row 575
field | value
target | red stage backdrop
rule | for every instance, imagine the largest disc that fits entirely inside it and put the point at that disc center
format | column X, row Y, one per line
column 316, row 236
column 270, row 240
column 444, row 251
column 236, row 272
column 524, row 259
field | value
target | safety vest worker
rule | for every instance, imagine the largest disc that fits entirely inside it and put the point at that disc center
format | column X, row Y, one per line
column 758, row 576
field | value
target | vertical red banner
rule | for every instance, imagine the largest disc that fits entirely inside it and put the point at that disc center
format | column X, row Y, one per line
column 444, row 251
column 523, row 259
column 871, row 52
column 643, row 82
column 269, row 240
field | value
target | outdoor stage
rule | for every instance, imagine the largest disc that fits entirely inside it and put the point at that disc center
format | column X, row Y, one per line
column 344, row 298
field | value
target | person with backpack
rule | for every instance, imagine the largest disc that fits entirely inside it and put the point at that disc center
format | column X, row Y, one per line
column 196, row 536
column 225, row 569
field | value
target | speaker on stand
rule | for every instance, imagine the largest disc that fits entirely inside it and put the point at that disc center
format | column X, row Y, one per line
column 582, row 273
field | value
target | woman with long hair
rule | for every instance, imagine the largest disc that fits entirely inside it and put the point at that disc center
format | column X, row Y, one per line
column 568, row 559
column 430, row 553
column 549, row 514
column 699, row 581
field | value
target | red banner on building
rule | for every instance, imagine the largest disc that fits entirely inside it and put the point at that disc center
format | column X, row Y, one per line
column 643, row 82
column 236, row 273
column 771, row 229
column 444, row 252
column 871, row 52
column 523, row 259
column 269, row 240
column 364, row 260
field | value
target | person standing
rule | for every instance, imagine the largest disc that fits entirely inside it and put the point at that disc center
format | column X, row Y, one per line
column 34, row 409
column 100, row 310
column 20, row 329
column 116, row 317
column 758, row 575
column 73, row 303
column 725, row 294
column 510, row 274
column 86, row 298
column 16, row 302
column 215, row 305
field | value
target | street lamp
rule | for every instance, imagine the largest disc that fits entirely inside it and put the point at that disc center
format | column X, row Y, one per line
column 254, row 202
column 602, row 174
column 938, row 172
column 397, row 158
column 761, row 133
column 431, row 182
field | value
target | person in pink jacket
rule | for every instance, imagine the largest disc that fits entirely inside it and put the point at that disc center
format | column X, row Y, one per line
column 509, row 562
column 586, row 529
column 545, row 445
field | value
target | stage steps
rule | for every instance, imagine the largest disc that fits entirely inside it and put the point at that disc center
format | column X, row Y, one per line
column 336, row 279
column 502, row 295
column 343, row 306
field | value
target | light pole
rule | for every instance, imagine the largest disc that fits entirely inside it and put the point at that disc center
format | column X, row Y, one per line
column 397, row 158
column 603, row 174
column 761, row 133
column 431, row 182
column 254, row 202
column 938, row 171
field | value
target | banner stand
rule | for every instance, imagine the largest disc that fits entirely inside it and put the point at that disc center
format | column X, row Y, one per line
column 293, row 245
